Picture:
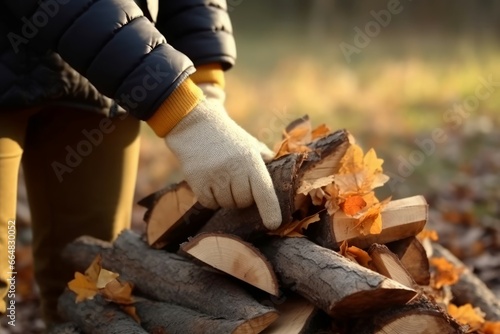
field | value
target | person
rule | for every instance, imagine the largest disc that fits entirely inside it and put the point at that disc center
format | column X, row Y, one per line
column 71, row 73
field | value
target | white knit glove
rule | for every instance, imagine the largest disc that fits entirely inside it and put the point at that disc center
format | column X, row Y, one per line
column 216, row 95
column 222, row 164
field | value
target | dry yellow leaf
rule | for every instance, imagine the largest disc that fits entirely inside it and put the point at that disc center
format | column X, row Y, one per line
column 467, row 315
column 307, row 186
column 332, row 199
column 446, row 273
column 105, row 276
column 321, row 131
column 131, row 311
column 93, row 270
column 369, row 220
column 118, row 292
column 355, row 254
column 491, row 327
column 431, row 234
column 83, row 286
column 296, row 228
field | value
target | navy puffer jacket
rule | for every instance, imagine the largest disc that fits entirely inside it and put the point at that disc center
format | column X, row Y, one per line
column 91, row 53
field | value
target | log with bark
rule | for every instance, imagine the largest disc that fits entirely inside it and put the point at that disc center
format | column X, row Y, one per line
column 387, row 263
column 170, row 278
column 413, row 257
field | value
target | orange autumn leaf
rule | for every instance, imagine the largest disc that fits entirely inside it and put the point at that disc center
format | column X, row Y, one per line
column 355, row 254
column 359, row 174
column 353, row 204
column 333, row 201
column 131, row 311
column 369, row 220
column 105, row 276
column 296, row 228
column 295, row 139
column 320, row 132
column 431, row 234
column 84, row 287
column 467, row 315
column 491, row 327
column 118, row 292
column 446, row 273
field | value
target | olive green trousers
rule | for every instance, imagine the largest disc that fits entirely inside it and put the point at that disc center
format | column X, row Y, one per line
column 80, row 171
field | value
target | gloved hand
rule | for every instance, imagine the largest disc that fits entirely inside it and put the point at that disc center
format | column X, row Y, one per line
column 216, row 95
column 222, row 164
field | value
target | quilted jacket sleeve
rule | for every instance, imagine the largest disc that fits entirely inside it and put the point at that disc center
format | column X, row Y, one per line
column 201, row 29
column 111, row 43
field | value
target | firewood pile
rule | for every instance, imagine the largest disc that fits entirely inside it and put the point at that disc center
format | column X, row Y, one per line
column 342, row 261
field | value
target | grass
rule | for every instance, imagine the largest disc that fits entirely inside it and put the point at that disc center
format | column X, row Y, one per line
column 396, row 90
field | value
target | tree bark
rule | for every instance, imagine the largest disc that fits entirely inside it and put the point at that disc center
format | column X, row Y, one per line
column 168, row 277
column 159, row 317
column 96, row 316
column 338, row 286
column 65, row 328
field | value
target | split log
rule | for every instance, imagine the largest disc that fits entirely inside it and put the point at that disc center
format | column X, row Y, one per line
column 97, row 316
column 287, row 174
column 159, row 317
column 469, row 288
column 400, row 219
column 298, row 316
column 235, row 257
column 387, row 263
column 330, row 281
column 173, row 213
column 413, row 257
column 170, row 278
column 420, row 316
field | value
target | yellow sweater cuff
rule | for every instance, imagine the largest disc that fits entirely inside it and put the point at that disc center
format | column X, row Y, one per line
column 209, row 73
column 180, row 103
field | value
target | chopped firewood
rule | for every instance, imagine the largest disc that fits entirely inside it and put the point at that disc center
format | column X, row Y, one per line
column 298, row 316
column 469, row 289
column 400, row 219
column 330, row 281
column 412, row 255
column 159, row 317
column 174, row 213
column 168, row 277
column 287, row 173
column 387, row 263
column 419, row 316
column 97, row 316
column 235, row 257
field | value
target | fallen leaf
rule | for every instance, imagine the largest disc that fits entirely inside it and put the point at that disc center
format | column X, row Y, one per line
column 430, row 234
column 296, row 228
column 446, row 273
column 352, row 205
column 83, row 286
column 295, row 139
column 332, row 199
column 467, row 315
column 355, row 254
column 321, row 131
column 105, row 276
column 118, row 292
column 307, row 186
column 131, row 311
column 490, row 327
column 93, row 270
column 369, row 220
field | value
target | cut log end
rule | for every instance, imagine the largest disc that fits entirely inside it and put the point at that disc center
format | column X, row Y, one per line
column 235, row 257
column 388, row 264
